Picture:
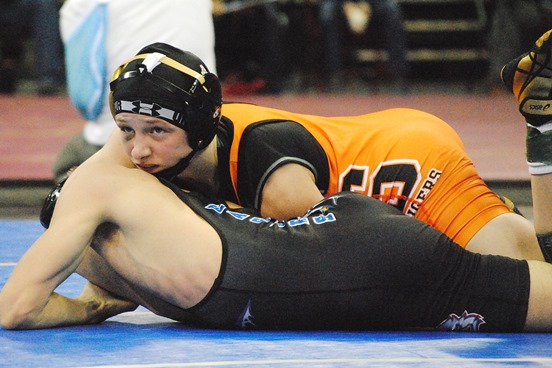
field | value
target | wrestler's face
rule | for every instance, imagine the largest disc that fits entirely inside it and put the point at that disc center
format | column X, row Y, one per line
column 152, row 144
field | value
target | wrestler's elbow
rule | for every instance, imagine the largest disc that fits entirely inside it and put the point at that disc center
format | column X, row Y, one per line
column 19, row 311
column 8, row 321
column 13, row 317
column 16, row 323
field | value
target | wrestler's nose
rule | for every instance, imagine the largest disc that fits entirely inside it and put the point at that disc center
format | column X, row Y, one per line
column 140, row 148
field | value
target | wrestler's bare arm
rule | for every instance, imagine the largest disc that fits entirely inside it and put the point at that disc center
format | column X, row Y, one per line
column 28, row 299
column 289, row 192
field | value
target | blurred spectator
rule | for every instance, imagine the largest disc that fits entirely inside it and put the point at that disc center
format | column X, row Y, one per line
column 36, row 21
column 250, row 45
column 358, row 17
column 131, row 24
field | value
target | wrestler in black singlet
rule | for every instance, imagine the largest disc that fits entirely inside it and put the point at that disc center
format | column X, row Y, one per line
column 354, row 263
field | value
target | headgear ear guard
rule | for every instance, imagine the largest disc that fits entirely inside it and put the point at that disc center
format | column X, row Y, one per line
column 201, row 121
column 190, row 100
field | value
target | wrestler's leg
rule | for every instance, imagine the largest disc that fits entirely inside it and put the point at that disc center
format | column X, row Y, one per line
column 529, row 77
column 509, row 235
column 539, row 316
column 97, row 270
column 480, row 221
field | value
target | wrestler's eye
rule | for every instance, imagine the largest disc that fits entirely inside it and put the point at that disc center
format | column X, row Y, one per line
column 126, row 129
column 158, row 130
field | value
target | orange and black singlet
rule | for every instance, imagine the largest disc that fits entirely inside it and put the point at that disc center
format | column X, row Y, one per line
column 404, row 157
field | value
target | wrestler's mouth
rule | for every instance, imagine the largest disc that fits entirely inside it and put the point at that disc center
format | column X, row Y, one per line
column 148, row 168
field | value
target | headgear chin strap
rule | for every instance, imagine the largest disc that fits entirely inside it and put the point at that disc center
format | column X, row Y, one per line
column 170, row 173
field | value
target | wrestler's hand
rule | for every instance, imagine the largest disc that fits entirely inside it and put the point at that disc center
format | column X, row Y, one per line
column 103, row 304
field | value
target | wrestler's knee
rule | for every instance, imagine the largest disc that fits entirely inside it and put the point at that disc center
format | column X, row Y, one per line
column 508, row 235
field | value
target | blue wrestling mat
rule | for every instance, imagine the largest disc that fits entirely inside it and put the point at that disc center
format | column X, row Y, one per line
column 141, row 339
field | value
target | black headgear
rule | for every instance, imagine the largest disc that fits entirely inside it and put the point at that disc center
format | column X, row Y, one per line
column 170, row 84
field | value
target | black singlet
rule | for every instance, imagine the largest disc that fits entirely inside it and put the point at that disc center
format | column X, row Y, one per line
column 353, row 263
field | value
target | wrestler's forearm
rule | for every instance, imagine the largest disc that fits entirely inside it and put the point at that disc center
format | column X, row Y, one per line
column 58, row 311
column 62, row 311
